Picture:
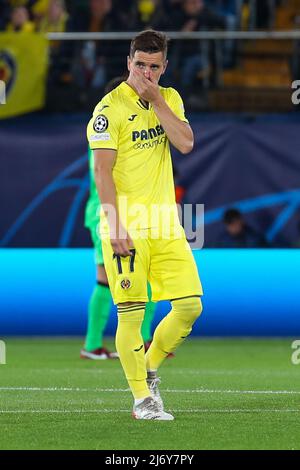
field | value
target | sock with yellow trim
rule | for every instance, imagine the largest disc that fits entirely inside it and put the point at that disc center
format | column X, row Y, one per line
column 130, row 346
column 173, row 330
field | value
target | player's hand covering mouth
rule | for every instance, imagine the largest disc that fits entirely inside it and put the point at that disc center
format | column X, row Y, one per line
column 146, row 88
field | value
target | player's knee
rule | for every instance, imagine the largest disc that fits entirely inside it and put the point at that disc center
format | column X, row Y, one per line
column 190, row 308
column 194, row 308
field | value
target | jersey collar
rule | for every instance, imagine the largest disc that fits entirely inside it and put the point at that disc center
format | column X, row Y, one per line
column 129, row 91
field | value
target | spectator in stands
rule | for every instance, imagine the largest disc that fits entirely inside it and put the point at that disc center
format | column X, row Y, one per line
column 20, row 21
column 29, row 4
column 99, row 17
column 55, row 19
column 194, row 58
column 231, row 11
column 40, row 11
column 36, row 8
column 238, row 234
column 195, row 15
column 147, row 14
column 95, row 62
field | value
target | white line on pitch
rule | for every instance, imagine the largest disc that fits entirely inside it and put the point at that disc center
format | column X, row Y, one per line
column 62, row 389
column 233, row 372
column 253, row 392
column 122, row 390
column 205, row 410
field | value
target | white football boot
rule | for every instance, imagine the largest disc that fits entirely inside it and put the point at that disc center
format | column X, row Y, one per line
column 148, row 409
column 153, row 382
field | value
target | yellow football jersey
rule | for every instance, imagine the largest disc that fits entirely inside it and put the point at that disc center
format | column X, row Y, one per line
column 142, row 172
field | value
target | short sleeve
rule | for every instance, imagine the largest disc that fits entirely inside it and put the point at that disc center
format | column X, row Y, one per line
column 176, row 104
column 104, row 127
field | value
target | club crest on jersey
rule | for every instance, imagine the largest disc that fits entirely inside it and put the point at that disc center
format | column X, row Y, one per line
column 125, row 284
column 100, row 123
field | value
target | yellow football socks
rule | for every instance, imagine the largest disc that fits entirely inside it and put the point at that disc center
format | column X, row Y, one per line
column 130, row 346
column 172, row 330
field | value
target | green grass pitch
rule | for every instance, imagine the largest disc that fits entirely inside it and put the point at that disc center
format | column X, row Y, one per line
column 224, row 393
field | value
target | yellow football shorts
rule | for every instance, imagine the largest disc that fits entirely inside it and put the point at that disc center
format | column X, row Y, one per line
column 168, row 265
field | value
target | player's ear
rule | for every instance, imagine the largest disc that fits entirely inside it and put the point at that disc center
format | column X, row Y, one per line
column 128, row 63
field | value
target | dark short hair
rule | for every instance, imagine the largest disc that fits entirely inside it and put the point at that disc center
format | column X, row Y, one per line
column 149, row 41
column 231, row 215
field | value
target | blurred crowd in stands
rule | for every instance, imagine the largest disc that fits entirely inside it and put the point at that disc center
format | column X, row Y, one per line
column 91, row 64
column 122, row 15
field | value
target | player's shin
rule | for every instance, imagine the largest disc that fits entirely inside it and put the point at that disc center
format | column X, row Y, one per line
column 99, row 309
column 173, row 330
column 130, row 346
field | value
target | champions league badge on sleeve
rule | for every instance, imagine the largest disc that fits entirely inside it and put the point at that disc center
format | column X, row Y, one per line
column 100, row 123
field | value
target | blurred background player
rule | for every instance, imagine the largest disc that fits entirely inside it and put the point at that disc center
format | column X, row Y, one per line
column 100, row 301
column 238, row 234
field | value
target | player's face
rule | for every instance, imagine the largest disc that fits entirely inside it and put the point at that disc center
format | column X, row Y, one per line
column 151, row 65
column 193, row 7
column 235, row 228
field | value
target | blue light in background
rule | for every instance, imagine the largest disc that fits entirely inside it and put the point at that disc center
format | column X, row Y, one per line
column 247, row 292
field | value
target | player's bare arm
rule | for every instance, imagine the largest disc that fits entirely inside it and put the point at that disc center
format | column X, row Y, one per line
column 104, row 163
column 179, row 132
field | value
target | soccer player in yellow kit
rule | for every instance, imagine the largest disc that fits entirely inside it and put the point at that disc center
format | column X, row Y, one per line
column 142, row 238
